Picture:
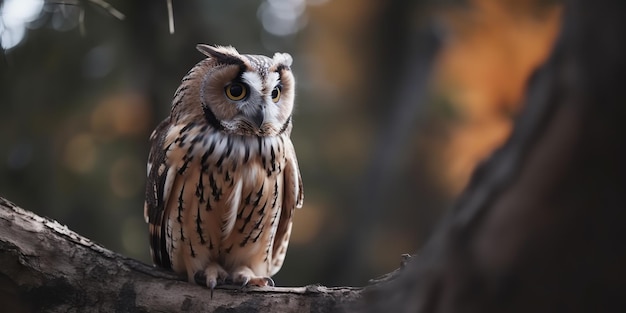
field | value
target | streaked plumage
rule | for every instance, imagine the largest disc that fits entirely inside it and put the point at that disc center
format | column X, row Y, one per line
column 223, row 179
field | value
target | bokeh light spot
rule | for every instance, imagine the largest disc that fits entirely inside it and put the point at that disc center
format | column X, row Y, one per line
column 308, row 223
column 126, row 114
column 282, row 17
column 80, row 153
column 126, row 177
column 14, row 15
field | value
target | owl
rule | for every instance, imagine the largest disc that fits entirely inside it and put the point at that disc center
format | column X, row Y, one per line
column 223, row 179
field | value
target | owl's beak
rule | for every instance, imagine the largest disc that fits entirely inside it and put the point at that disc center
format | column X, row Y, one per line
column 259, row 117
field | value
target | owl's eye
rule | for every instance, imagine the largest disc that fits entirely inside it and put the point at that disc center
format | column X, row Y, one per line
column 276, row 94
column 236, row 91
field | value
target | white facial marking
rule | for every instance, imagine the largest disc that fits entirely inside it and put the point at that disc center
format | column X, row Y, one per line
column 253, row 80
column 272, row 110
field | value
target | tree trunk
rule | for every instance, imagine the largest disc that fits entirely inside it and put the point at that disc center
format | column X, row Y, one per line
column 540, row 228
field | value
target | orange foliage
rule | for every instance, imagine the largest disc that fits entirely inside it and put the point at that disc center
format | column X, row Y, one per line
column 483, row 69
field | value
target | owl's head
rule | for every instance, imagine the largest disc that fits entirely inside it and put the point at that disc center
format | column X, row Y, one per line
column 240, row 93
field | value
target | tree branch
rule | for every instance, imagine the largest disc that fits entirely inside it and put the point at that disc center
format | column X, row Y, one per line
column 44, row 266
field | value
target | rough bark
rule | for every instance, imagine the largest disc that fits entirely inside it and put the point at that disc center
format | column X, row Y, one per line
column 45, row 267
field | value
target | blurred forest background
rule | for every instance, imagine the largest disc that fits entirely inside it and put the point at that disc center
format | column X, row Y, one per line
column 397, row 101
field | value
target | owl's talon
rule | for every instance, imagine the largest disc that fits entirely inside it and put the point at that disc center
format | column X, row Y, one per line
column 212, row 286
column 211, row 283
column 261, row 282
column 257, row 281
column 212, row 276
column 245, row 280
column 244, row 276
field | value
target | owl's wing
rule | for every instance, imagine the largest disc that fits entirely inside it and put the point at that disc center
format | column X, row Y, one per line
column 293, row 197
column 158, row 187
column 294, row 194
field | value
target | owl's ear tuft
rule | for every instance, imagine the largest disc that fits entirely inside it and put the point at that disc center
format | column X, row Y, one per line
column 283, row 59
column 227, row 55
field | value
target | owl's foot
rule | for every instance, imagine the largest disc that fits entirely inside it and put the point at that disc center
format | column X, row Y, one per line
column 244, row 276
column 211, row 276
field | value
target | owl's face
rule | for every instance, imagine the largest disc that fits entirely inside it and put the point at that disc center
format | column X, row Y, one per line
column 242, row 94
